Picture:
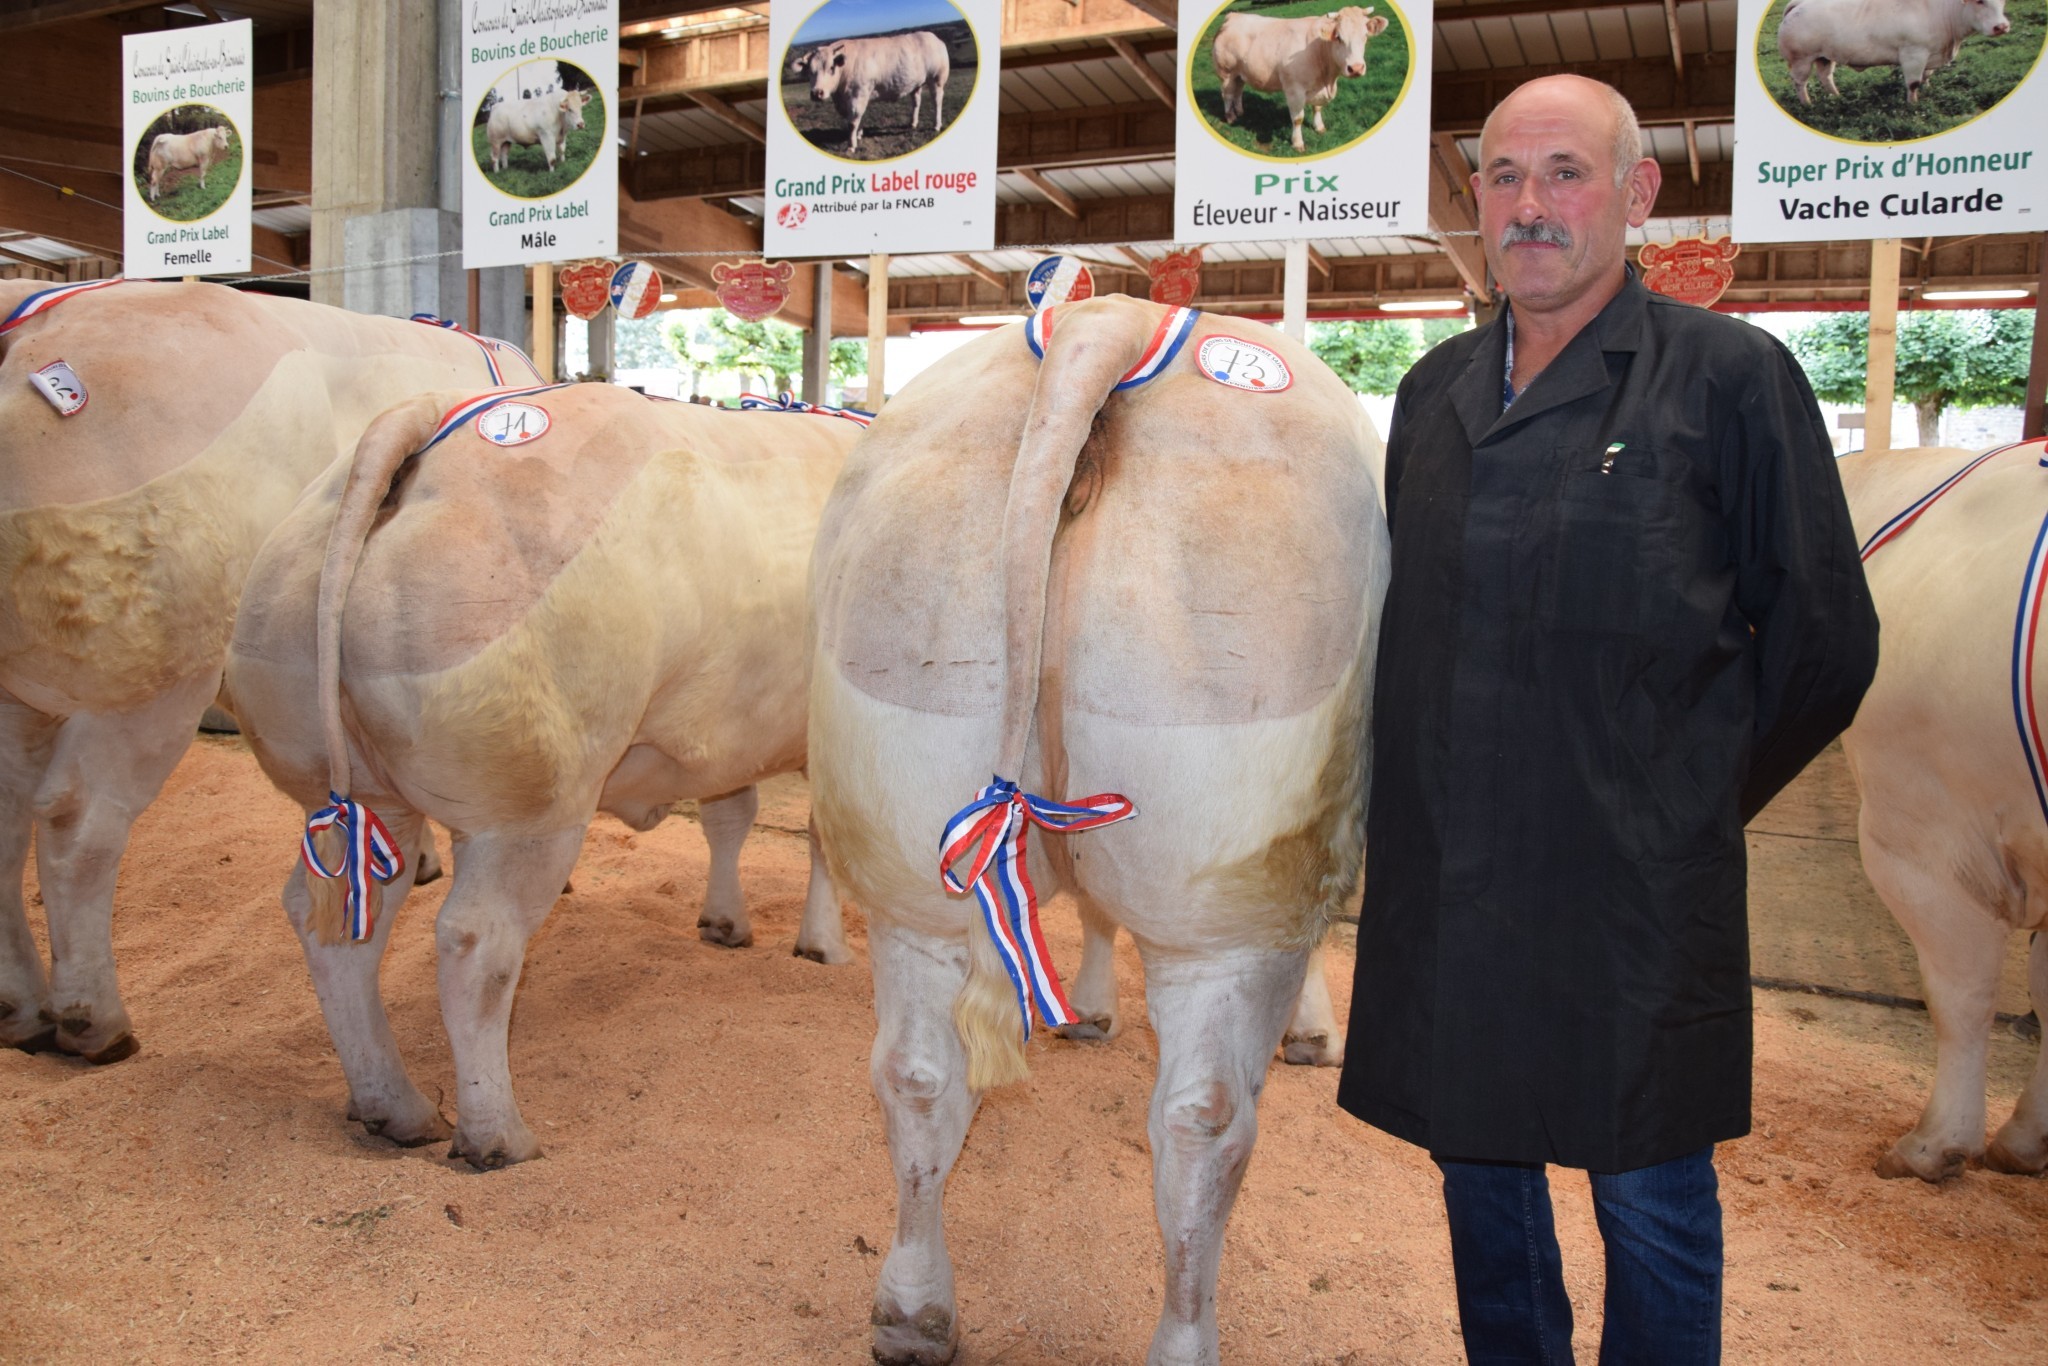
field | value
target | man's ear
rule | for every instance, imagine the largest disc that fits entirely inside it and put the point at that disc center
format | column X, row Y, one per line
column 1645, row 178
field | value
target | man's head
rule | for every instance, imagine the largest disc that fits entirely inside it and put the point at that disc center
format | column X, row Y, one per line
column 1561, row 179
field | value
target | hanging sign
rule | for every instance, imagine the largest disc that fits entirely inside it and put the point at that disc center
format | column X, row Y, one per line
column 752, row 290
column 1059, row 280
column 1331, row 142
column 587, row 287
column 1176, row 277
column 1927, row 126
column 635, row 289
column 1691, row 270
column 882, row 126
column 186, row 103
column 540, row 83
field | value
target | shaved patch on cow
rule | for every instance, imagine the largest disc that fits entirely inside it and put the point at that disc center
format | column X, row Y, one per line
column 61, row 385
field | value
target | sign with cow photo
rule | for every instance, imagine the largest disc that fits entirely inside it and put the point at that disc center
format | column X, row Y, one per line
column 186, row 100
column 882, row 126
column 541, row 84
column 1859, row 119
column 1302, row 119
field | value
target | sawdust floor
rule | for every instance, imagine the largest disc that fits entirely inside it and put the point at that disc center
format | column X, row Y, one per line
column 716, row 1186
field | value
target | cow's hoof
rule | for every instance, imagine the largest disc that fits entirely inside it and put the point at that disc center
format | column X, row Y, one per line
column 1999, row 1158
column 410, row 1133
column 2027, row 1028
column 37, row 1029
column 499, row 1150
column 930, row 1337
column 831, row 955
column 724, row 933
column 1094, row 1029
column 1312, row 1050
column 1930, row 1167
column 127, row 1046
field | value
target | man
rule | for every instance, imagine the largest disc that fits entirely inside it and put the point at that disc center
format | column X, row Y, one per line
column 1626, row 608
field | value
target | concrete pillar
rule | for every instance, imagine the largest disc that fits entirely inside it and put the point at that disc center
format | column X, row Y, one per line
column 384, row 72
column 1294, row 292
column 2034, row 417
column 1881, row 368
column 878, row 326
column 818, row 340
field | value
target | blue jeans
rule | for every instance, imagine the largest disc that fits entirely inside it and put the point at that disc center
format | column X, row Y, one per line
column 1662, row 1228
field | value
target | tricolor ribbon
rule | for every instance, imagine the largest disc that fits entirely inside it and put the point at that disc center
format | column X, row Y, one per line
column 470, row 409
column 2026, row 632
column 989, row 833
column 787, row 403
column 42, row 301
column 490, row 346
column 1167, row 339
column 367, row 853
column 1896, row 527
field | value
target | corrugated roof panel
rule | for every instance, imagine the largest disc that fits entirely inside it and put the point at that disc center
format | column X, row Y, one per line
column 1666, row 143
column 1692, row 28
column 43, row 249
column 1458, row 41
column 1722, row 25
column 1574, row 37
column 1610, row 34
column 1647, row 31
column 1720, row 137
column 285, row 218
column 1539, row 44
column 1502, row 47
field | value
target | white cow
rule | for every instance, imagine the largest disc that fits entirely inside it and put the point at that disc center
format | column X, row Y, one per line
column 1179, row 603
column 1916, row 36
column 851, row 72
column 608, row 616
column 545, row 119
column 170, row 153
column 125, row 532
column 1954, row 826
column 1301, row 58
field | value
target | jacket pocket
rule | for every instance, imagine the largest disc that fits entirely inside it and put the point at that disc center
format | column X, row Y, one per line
column 1605, row 573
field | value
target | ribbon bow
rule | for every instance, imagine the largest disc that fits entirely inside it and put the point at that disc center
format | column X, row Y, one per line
column 989, row 833
column 368, row 852
column 789, row 403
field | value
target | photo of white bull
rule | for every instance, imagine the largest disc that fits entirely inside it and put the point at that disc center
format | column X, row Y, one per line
column 1946, row 752
column 606, row 617
column 544, row 121
column 1916, row 36
column 176, row 153
column 1302, row 59
column 855, row 72
column 126, row 530
column 1169, row 593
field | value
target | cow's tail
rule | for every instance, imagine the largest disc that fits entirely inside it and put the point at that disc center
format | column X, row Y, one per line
column 383, row 449
column 1089, row 350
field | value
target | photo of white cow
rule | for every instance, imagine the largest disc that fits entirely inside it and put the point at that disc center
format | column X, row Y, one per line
column 187, row 162
column 862, row 95
column 1301, row 79
column 539, row 129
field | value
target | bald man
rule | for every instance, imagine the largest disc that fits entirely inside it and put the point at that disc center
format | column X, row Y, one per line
column 1626, row 608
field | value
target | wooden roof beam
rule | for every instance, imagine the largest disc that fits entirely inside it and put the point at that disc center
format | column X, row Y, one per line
column 1142, row 69
column 719, row 110
column 1061, row 200
column 1451, row 211
column 981, row 272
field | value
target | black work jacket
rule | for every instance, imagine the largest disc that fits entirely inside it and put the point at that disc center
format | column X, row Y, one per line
column 1590, row 675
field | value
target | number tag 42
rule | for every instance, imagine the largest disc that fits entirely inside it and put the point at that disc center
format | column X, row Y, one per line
column 1242, row 365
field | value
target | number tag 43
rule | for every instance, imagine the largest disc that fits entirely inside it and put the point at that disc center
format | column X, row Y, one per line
column 1242, row 365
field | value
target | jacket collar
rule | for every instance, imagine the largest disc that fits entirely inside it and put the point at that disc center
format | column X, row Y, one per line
column 1580, row 369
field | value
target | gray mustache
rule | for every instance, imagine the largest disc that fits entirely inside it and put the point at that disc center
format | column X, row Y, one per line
column 1547, row 234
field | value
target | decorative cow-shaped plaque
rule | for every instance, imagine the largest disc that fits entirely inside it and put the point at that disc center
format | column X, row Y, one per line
column 1176, row 277
column 1691, row 270
column 753, row 290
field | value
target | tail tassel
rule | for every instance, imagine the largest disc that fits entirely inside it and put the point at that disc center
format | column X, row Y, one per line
column 368, row 852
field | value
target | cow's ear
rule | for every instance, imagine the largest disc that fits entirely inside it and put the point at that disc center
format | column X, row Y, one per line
column 1328, row 28
column 1375, row 25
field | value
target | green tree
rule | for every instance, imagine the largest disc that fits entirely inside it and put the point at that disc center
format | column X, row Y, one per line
column 1369, row 356
column 1949, row 358
column 768, row 347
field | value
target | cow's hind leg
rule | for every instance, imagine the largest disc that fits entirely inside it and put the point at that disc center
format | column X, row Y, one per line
column 380, row 1093
column 822, row 935
column 105, row 768
column 1314, row 1039
column 1233, row 98
column 1960, row 942
column 919, row 1069
column 1219, row 1015
column 1827, row 75
column 505, row 884
column 2021, row 1145
column 1093, row 995
column 26, row 1020
column 726, row 821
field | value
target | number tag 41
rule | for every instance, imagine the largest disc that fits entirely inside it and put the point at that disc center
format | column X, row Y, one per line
column 1242, row 365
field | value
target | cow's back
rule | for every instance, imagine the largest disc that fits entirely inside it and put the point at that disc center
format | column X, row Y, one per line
column 126, row 528
column 1259, row 46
